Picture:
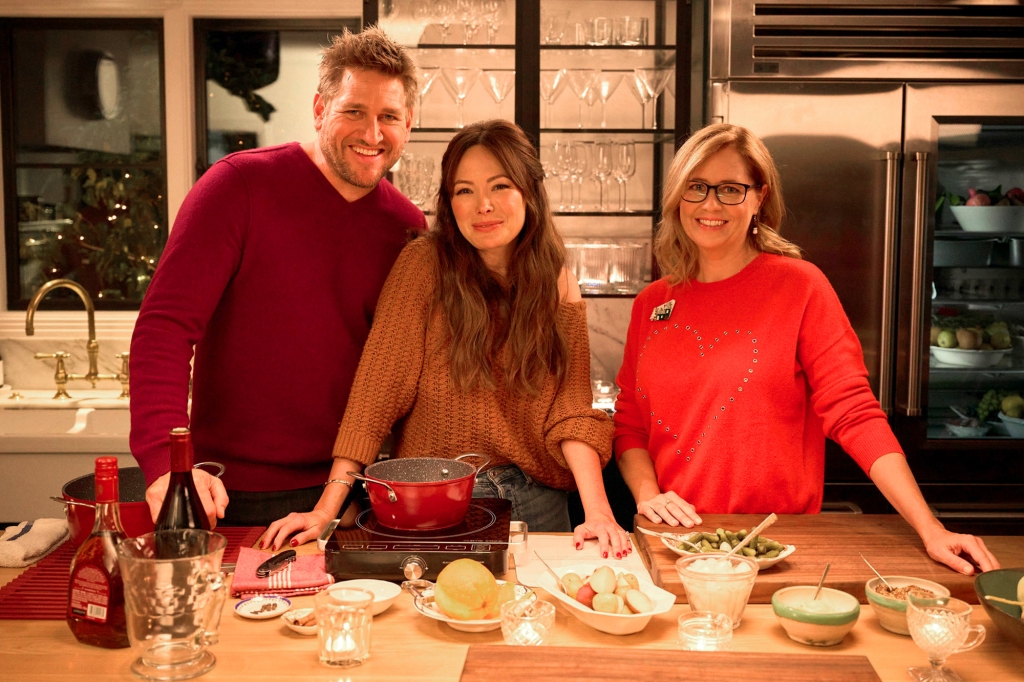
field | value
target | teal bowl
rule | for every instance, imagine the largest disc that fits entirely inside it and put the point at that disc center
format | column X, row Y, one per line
column 1002, row 583
column 805, row 623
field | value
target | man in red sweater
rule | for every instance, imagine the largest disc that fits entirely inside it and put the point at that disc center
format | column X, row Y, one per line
column 271, row 274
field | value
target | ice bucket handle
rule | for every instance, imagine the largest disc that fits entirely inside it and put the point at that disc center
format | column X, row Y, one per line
column 214, row 607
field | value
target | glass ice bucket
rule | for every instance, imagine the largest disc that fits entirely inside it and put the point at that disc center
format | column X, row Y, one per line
column 174, row 593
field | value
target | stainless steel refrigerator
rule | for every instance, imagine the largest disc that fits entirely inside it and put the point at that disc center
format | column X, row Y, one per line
column 873, row 113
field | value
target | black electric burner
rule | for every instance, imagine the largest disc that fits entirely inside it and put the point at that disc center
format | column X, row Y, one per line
column 371, row 550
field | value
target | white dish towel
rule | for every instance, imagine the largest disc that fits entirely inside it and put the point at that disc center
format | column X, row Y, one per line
column 30, row 541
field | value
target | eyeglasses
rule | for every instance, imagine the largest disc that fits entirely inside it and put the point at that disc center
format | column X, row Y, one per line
column 728, row 193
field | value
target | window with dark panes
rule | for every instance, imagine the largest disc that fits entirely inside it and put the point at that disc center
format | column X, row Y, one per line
column 255, row 81
column 84, row 164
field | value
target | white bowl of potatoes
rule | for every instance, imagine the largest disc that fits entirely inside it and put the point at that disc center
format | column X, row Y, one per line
column 625, row 602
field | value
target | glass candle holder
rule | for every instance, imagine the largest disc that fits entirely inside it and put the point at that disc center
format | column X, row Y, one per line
column 705, row 631
column 343, row 618
column 527, row 623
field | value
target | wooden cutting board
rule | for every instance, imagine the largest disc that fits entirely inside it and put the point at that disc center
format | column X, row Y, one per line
column 887, row 541
column 494, row 663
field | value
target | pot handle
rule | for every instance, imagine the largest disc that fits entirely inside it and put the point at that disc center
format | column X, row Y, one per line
column 367, row 479
column 65, row 501
column 485, row 458
column 220, row 467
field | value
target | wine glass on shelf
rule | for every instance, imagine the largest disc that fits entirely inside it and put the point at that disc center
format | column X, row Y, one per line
column 470, row 12
column 638, row 86
column 623, row 169
column 602, row 163
column 581, row 81
column 494, row 14
column 578, row 163
column 444, row 11
column 458, row 81
column 940, row 627
column 655, row 80
column 428, row 76
column 499, row 84
column 552, row 26
column 607, row 84
column 562, row 168
column 552, row 83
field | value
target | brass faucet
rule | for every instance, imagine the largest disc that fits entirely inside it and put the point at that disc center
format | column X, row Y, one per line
column 92, row 347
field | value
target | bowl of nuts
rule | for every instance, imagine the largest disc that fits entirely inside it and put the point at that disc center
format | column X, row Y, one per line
column 890, row 602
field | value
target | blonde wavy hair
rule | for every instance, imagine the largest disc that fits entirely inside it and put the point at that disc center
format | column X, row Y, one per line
column 675, row 251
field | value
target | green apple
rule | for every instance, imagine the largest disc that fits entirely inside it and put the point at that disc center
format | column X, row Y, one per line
column 947, row 339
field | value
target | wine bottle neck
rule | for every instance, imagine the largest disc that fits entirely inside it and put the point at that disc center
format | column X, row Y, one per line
column 181, row 454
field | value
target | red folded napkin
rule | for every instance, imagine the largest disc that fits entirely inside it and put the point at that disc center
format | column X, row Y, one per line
column 305, row 575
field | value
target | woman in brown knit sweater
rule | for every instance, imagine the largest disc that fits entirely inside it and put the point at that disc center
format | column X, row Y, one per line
column 479, row 344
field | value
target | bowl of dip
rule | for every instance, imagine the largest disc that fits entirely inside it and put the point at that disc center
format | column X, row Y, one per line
column 891, row 607
column 817, row 622
column 718, row 584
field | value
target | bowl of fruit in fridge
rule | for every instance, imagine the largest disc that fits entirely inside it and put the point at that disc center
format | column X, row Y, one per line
column 987, row 210
column 955, row 343
column 607, row 599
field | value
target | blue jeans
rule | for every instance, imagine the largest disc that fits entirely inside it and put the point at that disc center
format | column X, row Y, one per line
column 544, row 509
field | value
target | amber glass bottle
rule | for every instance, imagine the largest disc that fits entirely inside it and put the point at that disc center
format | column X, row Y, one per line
column 182, row 508
column 96, row 592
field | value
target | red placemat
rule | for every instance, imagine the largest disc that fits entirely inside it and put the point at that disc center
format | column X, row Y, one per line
column 41, row 592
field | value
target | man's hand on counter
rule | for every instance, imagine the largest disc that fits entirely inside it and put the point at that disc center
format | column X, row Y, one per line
column 211, row 492
column 947, row 548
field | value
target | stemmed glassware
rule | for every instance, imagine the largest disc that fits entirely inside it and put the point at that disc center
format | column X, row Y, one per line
column 499, row 84
column 458, row 81
column 607, row 84
column 471, row 14
column 940, row 627
column 552, row 83
column 578, row 163
column 581, row 81
column 552, row 26
column 444, row 11
column 428, row 75
column 602, row 164
column 494, row 15
column 654, row 80
column 562, row 164
column 638, row 86
column 624, row 168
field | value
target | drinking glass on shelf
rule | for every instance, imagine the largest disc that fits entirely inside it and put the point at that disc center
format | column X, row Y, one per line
column 470, row 12
column 581, row 81
column 638, row 86
column 428, row 75
column 602, row 162
column 552, row 26
column 631, row 31
column 599, row 31
column 494, row 15
column 578, row 163
column 607, row 84
column 940, row 627
column 499, row 84
column 458, row 81
column 552, row 83
column 444, row 12
column 655, row 80
column 562, row 167
column 624, row 168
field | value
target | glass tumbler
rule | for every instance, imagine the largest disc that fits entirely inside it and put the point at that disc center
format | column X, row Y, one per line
column 705, row 631
column 527, row 623
column 718, row 584
column 343, row 619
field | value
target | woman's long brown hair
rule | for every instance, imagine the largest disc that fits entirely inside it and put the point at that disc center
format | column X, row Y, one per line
column 483, row 313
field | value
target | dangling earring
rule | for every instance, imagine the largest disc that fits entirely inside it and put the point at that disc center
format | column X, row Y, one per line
column 754, row 231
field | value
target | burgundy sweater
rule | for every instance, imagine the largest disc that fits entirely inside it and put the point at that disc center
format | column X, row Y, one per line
column 273, row 277
column 733, row 394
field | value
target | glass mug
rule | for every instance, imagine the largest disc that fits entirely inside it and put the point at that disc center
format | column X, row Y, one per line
column 174, row 593
column 940, row 627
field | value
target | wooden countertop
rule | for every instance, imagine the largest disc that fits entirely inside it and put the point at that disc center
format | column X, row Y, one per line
column 407, row 646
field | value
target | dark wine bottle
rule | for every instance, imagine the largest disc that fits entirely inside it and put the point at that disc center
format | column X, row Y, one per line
column 182, row 508
column 96, row 591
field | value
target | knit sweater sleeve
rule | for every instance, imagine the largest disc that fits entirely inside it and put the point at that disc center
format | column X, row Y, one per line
column 630, row 427
column 384, row 389
column 831, row 356
column 201, row 256
column 572, row 416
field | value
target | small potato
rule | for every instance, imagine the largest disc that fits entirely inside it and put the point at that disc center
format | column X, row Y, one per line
column 603, row 580
column 623, row 610
column 631, row 580
column 622, row 588
column 607, row 603
column 572, row 583
column 638, row 602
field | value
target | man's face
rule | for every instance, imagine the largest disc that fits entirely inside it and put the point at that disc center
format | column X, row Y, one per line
column 361, row 132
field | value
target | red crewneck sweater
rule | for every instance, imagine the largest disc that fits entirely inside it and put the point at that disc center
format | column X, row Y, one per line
column 273, row 277
column 733, row 394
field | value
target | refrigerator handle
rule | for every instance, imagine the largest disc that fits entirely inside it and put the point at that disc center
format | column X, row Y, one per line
column 885, row 375
column 917, row 285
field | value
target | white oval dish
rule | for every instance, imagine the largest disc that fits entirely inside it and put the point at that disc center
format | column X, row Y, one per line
column 961, row 357
column 989, row 218
column 261, row 608
column 426, row 605
column 290, row 618
column 611, row 623
column 384, row 593
column 761, row 563
column 1013, row 425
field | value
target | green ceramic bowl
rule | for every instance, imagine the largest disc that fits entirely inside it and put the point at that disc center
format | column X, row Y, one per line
column 892, row 613
column 1002, row 583
column 805, row 624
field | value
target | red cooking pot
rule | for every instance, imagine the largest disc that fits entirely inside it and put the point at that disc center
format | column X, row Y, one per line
column 79, row 498
column 421, row 493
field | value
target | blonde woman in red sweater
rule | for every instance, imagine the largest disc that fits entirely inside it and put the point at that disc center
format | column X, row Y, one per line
column 741, row 360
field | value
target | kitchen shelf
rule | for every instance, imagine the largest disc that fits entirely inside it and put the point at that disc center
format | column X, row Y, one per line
column 1008, row 366
column 957, row 233
column 608, row 48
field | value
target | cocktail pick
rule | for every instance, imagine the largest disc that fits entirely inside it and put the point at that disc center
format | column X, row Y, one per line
column 772, row 518
column 558, row 581
column 822, row 581
column 675, row 537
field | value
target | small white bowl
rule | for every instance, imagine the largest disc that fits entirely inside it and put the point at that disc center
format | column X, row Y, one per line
column 989, row 218
column 761, row 563
column 810, row 627
column 892, row 613
column 261, row 608
column 384, row 593
column 968, row 431
column 611, row 623
column 292, row 616
column 961, row 357
column 1013, row 425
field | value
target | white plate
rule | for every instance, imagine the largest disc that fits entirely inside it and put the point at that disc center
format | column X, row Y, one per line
column 761, row 563
column 384, row 593
column 968, row 431
column 292, row 616
column 962, row 357
column 426, row 605
column 612, row 623
column 261, row 608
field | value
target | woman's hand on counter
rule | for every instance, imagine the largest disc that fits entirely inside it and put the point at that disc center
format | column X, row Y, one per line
column 611, row 538
column 307, row 525
column 946, row 548
column 669, row 508
column 211, row 492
